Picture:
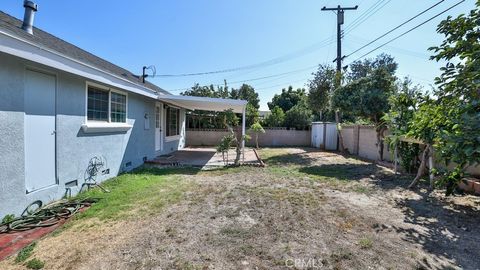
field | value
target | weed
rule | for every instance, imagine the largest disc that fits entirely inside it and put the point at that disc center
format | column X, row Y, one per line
column 7, row 218
column 365, row 243
column 35, row 264
column 25, row 253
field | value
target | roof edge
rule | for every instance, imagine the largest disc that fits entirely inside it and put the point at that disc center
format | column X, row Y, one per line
column 29, row 55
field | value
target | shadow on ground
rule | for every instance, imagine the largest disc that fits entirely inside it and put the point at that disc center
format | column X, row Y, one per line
column 446, row 228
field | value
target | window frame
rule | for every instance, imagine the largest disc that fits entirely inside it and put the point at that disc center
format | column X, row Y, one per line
column 109, row 113
column 167, row 128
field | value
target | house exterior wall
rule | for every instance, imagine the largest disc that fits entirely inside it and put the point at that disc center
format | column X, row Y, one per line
column 74, row 148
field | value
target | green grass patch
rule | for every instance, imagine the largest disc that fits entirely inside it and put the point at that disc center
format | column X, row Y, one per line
column 35, row 264
column 138, row 193
column 25, row 253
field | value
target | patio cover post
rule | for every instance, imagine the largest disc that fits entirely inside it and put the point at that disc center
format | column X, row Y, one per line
column 243, row 134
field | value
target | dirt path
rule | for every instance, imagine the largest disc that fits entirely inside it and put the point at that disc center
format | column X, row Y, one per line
column 306, row 210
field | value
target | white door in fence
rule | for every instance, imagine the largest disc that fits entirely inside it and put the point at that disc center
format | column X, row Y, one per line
column 40, row 133
column 158, row 127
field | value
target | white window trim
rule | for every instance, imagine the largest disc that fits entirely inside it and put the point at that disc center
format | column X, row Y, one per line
column 179, row 135
column 93, row 126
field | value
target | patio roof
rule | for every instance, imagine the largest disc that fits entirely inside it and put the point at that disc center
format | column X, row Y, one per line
column 205, row 103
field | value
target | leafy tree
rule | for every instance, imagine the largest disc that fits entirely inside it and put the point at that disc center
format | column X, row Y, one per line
column 246, row 92
column 363, row 68
column 288, row 98
column 404, row 103
column 299, row 117
column 276, row 118
column 321, row 88
column 367, row 98
column 451, row 120
column 256, row 128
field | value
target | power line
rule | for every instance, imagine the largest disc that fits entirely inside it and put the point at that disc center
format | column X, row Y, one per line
column 395, row 28
column 408, row 31
column 366, row 15
column 273, row 61
column 254, row 79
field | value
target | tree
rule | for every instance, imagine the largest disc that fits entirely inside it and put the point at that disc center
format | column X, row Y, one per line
column 246, row 92
column 299, row 117
column 451, row 120
column 321, row 88
column 288, row 98
column 367, row 98
column 404, row 103
column 256, row 128
column 230, row 120
column 363, row 68
column 276, row 118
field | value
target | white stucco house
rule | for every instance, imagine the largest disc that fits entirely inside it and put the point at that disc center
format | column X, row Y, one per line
column 61, row 107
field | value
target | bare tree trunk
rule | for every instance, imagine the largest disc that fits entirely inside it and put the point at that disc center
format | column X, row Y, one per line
column 340, row 136
column 421, row 169
column 256, row 140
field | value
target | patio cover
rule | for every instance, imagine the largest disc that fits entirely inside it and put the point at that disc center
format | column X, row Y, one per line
column 209, row 104
column 204, row 103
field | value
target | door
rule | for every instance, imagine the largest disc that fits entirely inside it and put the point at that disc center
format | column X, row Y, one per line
column 158, row 128
column 40, row 134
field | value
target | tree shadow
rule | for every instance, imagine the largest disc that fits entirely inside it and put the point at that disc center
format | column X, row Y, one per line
column 346, row 172
column 153, row 170
column 448, row 230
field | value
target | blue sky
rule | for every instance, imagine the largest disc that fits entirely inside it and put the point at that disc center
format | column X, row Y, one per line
column 180, row 36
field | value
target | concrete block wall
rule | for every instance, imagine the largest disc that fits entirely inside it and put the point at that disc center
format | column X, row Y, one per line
column 364, row 146
column 271, row 137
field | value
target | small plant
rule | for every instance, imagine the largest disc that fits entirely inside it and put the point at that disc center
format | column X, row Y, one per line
column 7, row 218
column 25, row 253
column 365, row 243
column 257, row 129
column 35, row 264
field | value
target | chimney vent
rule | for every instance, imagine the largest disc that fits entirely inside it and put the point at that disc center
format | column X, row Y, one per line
column 30, row 9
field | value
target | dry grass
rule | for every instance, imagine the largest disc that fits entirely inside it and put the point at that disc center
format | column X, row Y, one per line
column 306, row 207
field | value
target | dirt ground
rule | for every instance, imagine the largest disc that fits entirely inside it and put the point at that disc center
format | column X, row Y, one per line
column 305, row 210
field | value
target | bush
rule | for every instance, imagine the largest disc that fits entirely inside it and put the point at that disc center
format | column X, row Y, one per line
column 298, row 117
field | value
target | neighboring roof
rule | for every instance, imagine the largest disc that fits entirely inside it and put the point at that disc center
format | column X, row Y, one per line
column 13, row 26
column 205, row 103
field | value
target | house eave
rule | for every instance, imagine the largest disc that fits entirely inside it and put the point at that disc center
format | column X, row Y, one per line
column 13, row 45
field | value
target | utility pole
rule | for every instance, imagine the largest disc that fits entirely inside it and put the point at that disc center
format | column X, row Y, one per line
column 340, row 11
column 340, row 20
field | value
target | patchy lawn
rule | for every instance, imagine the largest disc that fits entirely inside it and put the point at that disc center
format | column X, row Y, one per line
column 305, row 210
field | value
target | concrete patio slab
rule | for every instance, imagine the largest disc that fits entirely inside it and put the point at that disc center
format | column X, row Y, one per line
column 203, row 157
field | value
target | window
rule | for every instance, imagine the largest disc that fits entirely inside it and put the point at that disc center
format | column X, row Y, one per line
column 97, row 104
column 173, row 121
column 118, row 107
column 106, row 105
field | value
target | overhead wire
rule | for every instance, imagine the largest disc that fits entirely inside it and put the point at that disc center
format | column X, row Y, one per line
column 395, row 28
column 408, row 31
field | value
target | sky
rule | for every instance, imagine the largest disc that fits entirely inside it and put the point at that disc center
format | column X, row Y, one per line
column 283, row 40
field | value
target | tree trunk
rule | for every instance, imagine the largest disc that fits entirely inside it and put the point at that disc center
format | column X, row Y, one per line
column 340, row 136
column 421, row 169
column 256, row 140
